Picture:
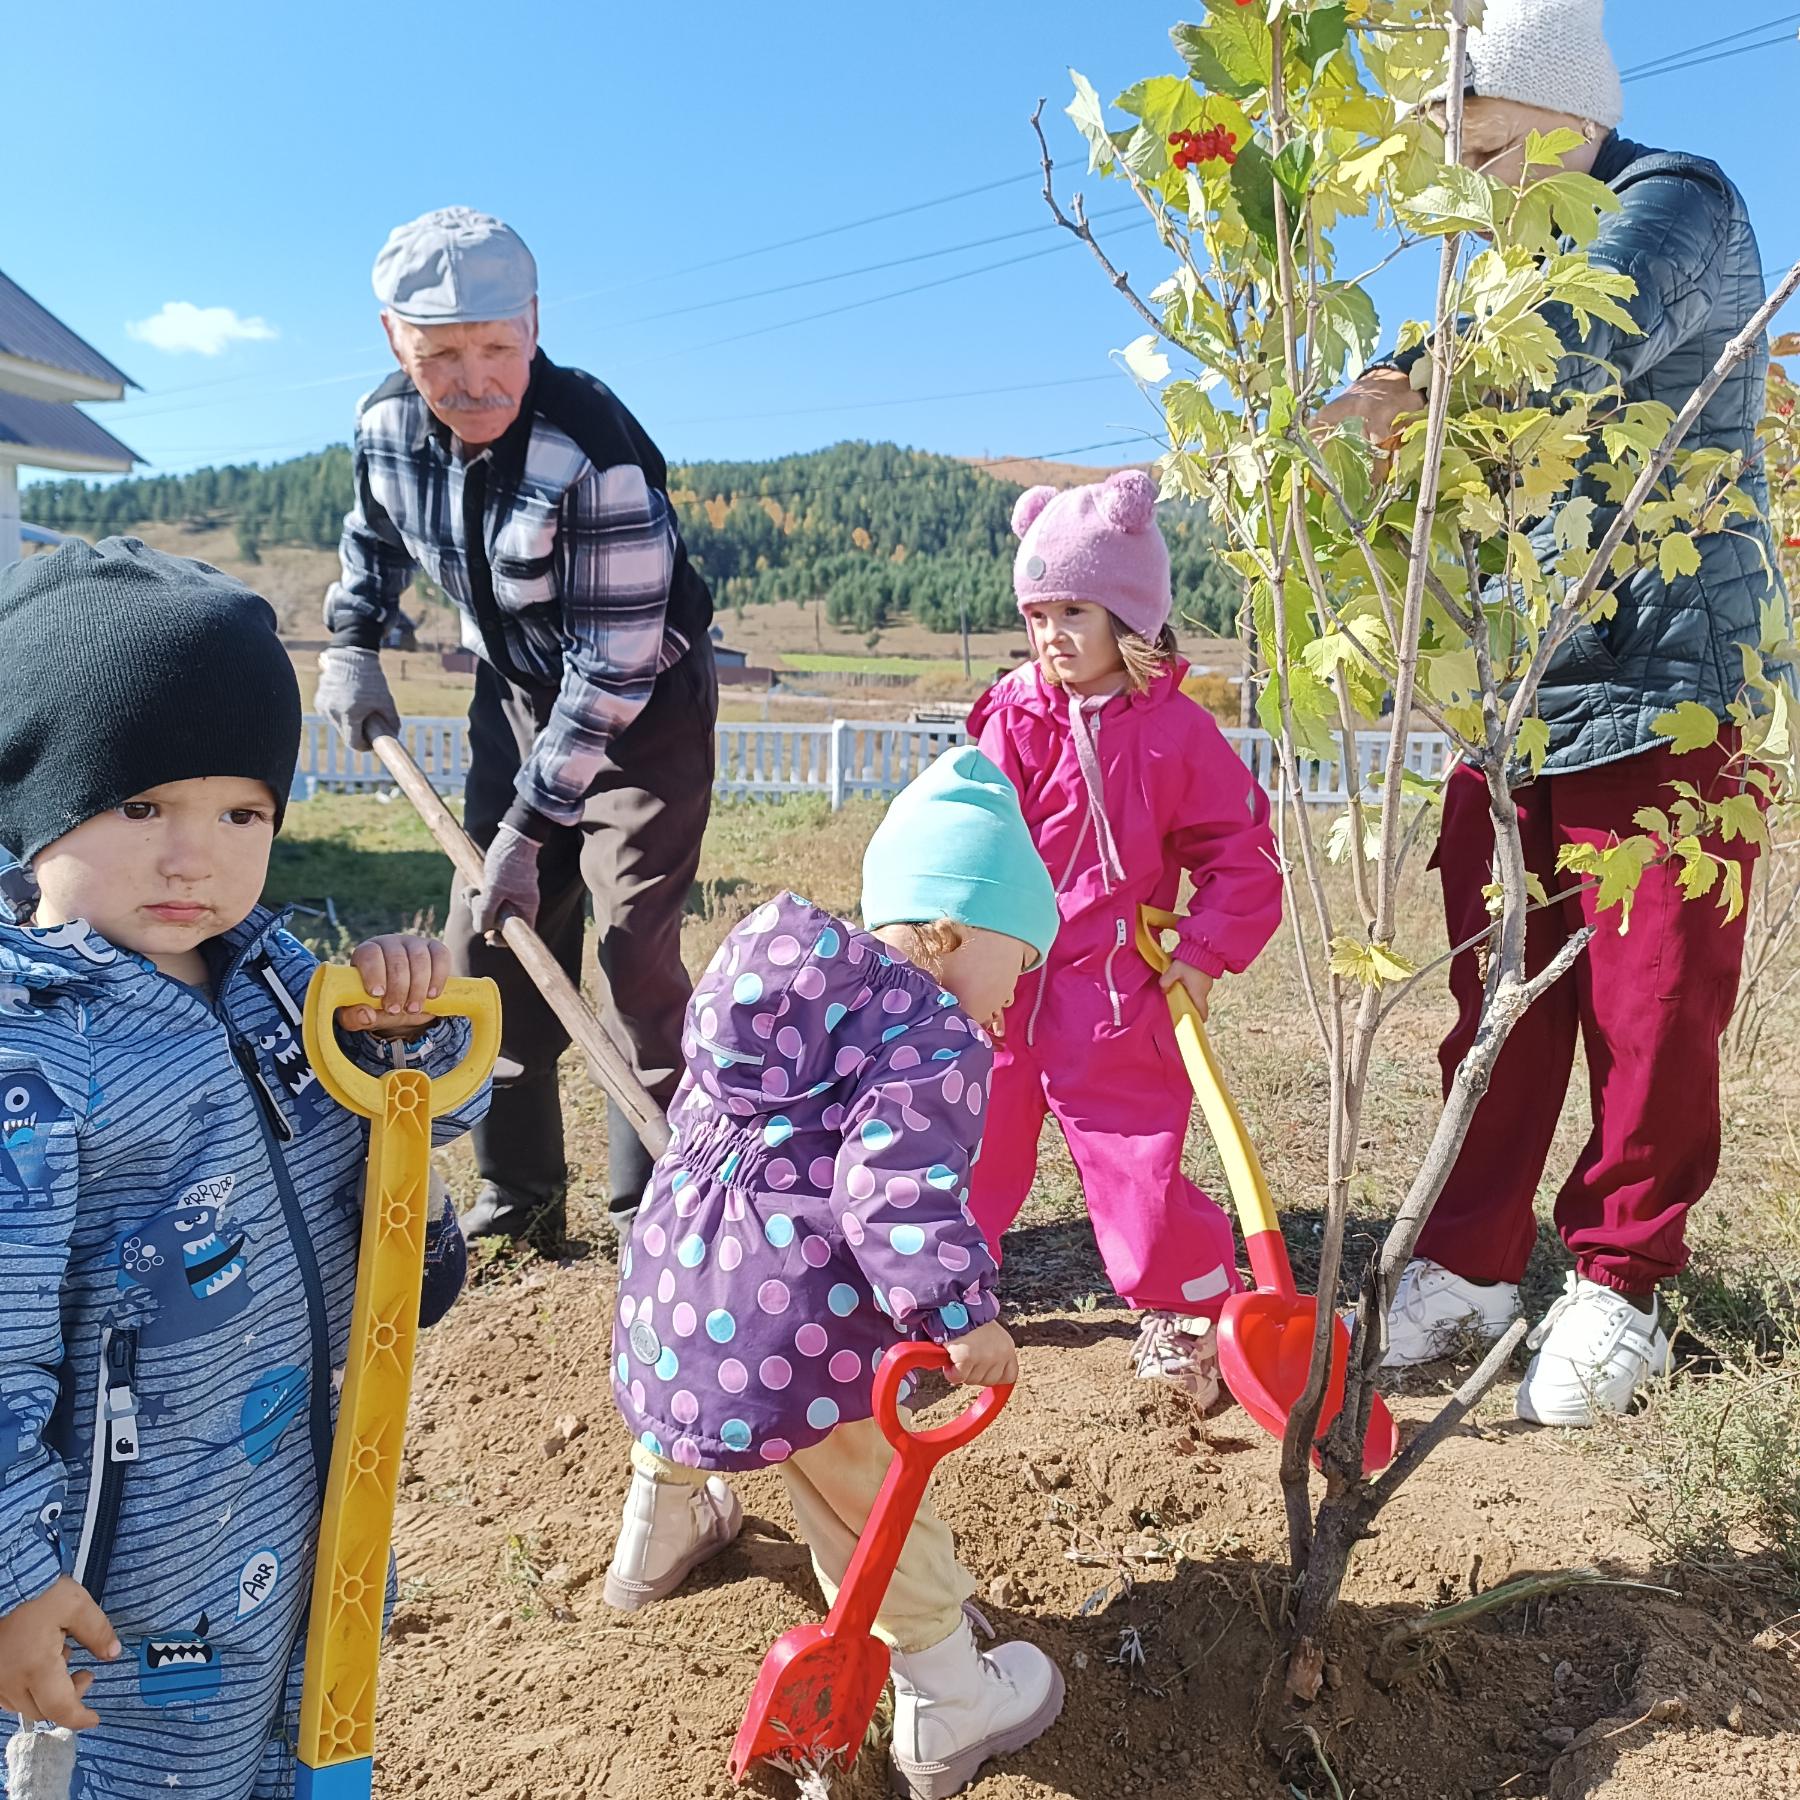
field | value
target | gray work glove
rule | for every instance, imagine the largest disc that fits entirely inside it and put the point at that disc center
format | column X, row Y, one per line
column 354, row 695
column 510, row 880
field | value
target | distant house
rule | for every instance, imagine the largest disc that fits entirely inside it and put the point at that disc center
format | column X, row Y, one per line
column 46, row 374
column 723, row 657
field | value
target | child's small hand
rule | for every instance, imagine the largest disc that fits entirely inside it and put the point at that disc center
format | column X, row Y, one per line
column 984, row 1357
column 1198, row 985
column 34, row 1664
column 403, row 972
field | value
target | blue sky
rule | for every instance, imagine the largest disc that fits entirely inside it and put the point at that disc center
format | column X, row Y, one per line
column 253, row 159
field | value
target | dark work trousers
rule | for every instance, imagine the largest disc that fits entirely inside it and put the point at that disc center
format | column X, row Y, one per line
column 634, row 854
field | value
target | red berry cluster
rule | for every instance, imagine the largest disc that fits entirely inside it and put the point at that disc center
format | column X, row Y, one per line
column 1214, row 144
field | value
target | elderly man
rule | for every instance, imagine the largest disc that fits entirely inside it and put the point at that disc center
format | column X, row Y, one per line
column 540, row 507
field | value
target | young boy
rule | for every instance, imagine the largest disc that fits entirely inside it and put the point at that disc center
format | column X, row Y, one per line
column 179, row 1198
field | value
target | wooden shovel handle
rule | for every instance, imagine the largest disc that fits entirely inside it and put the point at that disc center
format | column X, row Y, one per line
column 608, row 1066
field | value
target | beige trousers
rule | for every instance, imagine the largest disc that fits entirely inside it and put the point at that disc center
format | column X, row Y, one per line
column 832, row 1487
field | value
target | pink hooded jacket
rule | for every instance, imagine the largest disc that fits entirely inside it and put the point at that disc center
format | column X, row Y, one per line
column 1120, row 803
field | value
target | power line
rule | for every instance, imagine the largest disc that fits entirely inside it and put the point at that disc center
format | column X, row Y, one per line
column 898, row 212
column 897, row 262
column 1679, row 57
column 794, row 412
column 1694, row 62
column 809, row 237
column 737, row 337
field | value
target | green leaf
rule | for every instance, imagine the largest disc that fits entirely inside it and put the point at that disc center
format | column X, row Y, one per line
column 1450, row 677
column 1677, row 555
column 1216, row 62
column 1090, row 120
column 1293, row 169
column 1689, row 727
column 1320, row 36
column 1458, row 200
column 1253, row 186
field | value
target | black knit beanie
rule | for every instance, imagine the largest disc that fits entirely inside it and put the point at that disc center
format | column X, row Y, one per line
column 122, row 668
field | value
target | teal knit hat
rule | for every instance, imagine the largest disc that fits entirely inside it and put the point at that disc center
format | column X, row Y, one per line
column 954, row 846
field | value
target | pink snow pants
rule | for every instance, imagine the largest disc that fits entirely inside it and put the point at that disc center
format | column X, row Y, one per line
column 1123, row 1101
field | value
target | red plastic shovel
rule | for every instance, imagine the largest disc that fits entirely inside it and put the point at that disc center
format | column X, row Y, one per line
column 819, row 1684
column 1266, row 1335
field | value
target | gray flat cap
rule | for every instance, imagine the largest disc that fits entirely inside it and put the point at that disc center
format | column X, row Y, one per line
column 455, row 266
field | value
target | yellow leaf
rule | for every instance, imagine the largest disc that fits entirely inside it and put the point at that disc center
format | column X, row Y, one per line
column 1369, row 965
column 1731, row 895
column 1699, row 872
column 1534, row 743
column 1740, row 817
column 1676, row 555
column 1689, row 727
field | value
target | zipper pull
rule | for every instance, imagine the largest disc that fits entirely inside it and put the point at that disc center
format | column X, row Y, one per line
column 1119, row 937
column 252, row 1067
column 121, row 1407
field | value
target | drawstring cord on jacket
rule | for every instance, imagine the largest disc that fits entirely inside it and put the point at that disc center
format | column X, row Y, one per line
column 1112, row 869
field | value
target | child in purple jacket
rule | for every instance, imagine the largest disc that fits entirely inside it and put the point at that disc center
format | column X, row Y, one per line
column 810, row 1212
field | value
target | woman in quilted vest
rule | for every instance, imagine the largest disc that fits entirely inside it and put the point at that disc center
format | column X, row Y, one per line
column 1648, row 1006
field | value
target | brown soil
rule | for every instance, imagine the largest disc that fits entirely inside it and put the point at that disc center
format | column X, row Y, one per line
column 1141, row 1546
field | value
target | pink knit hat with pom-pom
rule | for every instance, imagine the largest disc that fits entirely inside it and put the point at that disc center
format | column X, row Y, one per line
column 1099, row 544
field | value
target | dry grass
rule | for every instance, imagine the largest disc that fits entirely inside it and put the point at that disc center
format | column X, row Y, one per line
column 1715, row 1456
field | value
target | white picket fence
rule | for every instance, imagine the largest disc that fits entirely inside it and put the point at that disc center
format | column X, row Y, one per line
column 842, row 760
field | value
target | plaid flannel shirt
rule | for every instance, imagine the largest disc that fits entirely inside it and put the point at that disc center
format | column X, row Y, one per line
column 572, row 568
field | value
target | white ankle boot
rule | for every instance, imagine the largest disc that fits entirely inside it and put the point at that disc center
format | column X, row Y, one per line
column 668, row 1531
column 956, row 1707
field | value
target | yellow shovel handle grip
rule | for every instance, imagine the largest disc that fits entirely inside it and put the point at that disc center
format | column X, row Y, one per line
column 335, row 987
column 1243, row 1168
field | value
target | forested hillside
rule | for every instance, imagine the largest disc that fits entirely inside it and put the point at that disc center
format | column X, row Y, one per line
column 871, row 530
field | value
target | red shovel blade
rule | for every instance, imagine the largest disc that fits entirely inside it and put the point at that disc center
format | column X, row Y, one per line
column 813, row 1699
column 1265, row 1349
column 819, row 1685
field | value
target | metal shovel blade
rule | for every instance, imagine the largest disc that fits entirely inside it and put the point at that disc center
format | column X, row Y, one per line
column 814, row 1698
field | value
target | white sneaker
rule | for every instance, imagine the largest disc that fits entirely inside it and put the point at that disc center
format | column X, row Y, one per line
column 1436, row 1312
column 1179, row 1348
column 668, row 1531
column 957, row 1707
column 1594, row 1351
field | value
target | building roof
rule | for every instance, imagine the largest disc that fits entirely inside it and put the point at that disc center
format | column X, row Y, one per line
column 32, row 335
column 49, row 434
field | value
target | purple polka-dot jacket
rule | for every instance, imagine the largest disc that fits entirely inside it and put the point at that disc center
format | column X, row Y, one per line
column 811, row 1209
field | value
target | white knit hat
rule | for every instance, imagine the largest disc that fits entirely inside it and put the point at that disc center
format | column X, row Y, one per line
column 1548, row 53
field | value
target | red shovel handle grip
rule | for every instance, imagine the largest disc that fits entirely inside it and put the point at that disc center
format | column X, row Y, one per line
column 907, row 1359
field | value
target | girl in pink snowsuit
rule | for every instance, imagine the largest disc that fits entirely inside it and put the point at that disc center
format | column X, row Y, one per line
column 1126, row 785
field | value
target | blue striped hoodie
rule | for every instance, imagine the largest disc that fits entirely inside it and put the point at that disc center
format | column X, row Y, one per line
column 180, row 1205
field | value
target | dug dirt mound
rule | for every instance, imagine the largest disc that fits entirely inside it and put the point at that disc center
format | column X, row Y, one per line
column 1141, row 1546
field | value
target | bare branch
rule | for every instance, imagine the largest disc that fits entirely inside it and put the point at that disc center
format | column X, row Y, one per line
column 1081, row 229
column 1454, row 1411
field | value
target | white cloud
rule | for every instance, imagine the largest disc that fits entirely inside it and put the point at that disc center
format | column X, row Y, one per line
column 182, row 326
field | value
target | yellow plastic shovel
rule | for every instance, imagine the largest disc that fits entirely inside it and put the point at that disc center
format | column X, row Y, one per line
column 1266, row 1335
column 343, row 1648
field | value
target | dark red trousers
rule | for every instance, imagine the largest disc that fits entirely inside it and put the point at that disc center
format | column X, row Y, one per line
column 1649, row 1005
